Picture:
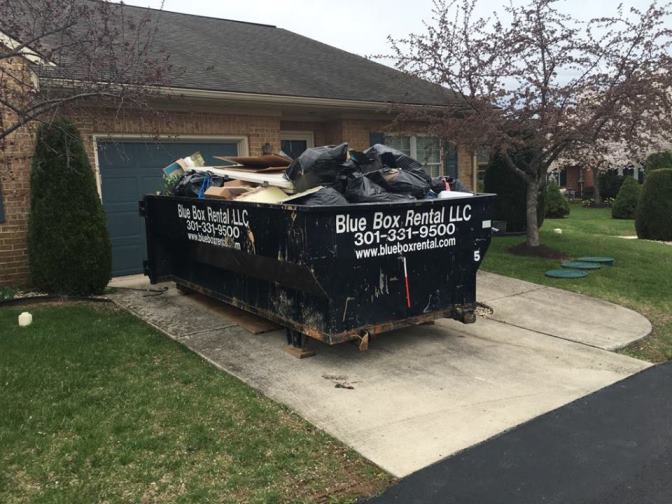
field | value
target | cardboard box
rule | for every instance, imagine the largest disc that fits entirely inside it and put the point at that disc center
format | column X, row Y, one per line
column 226, row 193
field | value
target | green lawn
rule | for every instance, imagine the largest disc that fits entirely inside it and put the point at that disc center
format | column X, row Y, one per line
column 641, row 278
column 95, row 406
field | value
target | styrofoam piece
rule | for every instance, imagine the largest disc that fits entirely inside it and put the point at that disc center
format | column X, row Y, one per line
column 454, row 194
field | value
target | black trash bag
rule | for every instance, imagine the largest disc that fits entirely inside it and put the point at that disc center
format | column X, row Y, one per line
column 327, row 196
column 193, row 183
column 365, row 162
column 361, row 189
column 400, row 181
column 439, row 184
column 393, row 158
column 318, row 166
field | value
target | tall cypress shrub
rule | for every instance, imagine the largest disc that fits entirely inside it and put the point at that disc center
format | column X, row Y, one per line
column 654, row 210
column 68, row 244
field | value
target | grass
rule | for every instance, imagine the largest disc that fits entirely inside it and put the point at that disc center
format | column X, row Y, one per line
column 641, row 278
column 95, row 406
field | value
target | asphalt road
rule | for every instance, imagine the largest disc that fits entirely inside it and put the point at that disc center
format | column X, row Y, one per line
column 613, row 446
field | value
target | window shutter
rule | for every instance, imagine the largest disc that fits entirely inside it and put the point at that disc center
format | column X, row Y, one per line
column 450, row 161
column 376, row 137
column 2, row 208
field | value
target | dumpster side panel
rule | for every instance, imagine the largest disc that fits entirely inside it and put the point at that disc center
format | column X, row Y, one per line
column 392, row 263
column 329, row 272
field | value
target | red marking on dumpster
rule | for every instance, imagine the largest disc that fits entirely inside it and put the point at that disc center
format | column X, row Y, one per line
column 408, row 289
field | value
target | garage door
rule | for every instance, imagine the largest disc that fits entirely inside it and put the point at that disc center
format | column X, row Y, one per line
column 130, row 169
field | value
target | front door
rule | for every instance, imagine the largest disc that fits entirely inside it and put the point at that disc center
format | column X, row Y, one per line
column 294, row 143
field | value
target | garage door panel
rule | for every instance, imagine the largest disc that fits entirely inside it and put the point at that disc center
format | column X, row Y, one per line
column 128, row 170
column 119, row 189
column 124, row 225
column 151, row 184
column 124, row 260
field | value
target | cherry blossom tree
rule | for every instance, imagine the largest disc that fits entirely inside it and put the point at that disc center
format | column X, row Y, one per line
column 532, row 77
column 75, row 52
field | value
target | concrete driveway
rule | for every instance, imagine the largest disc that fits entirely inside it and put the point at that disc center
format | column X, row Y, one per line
column 421, row 394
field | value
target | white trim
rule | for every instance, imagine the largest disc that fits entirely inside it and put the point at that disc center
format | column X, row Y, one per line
column 243, row 146
column 307, row 136
column 26, row 52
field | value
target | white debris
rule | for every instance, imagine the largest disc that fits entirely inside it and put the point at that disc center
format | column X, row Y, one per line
column 557, row 231
column 25, row 319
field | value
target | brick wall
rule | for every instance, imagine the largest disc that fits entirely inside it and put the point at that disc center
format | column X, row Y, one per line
column 15, row 154
column 258, row 129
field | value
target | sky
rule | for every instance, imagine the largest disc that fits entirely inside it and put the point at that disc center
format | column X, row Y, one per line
column 357, row 26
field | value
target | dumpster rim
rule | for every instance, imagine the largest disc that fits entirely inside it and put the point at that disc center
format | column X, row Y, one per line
column 326, row 208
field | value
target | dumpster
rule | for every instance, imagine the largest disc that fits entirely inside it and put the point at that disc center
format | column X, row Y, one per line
column 332, row 273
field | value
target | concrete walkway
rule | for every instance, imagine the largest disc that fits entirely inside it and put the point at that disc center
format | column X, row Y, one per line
column 421, row 394
column 560, row 313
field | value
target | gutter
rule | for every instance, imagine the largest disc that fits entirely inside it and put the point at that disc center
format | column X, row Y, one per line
column 256, row 97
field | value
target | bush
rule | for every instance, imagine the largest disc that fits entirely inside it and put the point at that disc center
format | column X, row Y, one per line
column 610, row 183
column 625, row 205
column 658, row 160
column 510, row 205
column 68, row 245
column 654, row 210
column 556, row 206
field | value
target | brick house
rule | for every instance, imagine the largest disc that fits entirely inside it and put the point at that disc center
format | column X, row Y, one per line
column 233, row 98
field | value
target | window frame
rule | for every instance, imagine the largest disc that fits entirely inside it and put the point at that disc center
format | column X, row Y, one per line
column 413, row 151
column 307, row 136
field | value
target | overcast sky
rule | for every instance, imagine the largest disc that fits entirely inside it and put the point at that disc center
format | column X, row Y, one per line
column 358, row 26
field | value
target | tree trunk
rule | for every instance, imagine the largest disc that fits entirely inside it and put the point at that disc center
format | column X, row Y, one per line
column 597, row 197
column 532, row 198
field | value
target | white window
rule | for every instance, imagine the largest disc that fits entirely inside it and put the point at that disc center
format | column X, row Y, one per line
column 425, row 149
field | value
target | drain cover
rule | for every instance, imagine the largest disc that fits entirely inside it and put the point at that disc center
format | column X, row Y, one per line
column 566, row 273
column 582, row 265
column 607, row 261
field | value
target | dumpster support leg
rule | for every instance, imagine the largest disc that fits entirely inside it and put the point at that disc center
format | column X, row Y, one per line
column 297, row 344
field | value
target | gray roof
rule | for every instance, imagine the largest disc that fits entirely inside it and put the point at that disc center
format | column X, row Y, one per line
column 225, row 55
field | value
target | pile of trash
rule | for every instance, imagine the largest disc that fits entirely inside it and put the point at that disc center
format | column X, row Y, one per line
column 326, row 175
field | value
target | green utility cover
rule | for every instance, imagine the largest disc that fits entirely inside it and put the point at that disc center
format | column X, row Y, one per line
column 608, row 261
column 565, row 273
column 582, row 265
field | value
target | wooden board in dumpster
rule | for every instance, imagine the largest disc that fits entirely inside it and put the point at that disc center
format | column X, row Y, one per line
column 328, row 272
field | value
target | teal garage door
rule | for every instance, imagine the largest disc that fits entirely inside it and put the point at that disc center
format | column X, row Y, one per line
column 130, row 169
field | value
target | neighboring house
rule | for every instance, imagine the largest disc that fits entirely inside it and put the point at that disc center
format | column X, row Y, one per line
column 244, row 85
column 579, row 179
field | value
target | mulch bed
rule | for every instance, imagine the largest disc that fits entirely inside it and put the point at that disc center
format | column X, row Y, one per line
column 523, row 249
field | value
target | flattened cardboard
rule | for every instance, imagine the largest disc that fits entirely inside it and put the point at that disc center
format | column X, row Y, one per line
column 226, row 193
column 265, row 161
column 263, row 195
